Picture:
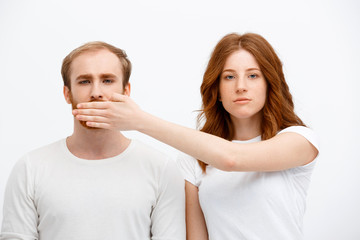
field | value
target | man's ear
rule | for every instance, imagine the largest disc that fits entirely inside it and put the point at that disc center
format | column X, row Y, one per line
column 127, row 90
column 67, row 94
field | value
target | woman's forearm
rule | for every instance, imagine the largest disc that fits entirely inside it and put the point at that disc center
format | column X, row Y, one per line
column 205, row 147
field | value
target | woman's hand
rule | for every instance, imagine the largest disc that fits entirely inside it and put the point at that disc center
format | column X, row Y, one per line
column 120, row 113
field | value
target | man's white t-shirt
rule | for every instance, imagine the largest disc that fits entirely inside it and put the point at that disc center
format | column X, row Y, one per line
column 252, row 205
column 54, row 195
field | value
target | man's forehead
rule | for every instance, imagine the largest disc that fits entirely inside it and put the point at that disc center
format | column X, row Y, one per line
column 101, row 61
column 93, row 54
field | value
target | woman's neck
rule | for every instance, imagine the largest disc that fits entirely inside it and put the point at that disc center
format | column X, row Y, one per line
column 246, row 129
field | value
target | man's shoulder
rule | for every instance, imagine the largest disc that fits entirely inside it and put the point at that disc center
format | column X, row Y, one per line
column 157, row 164
column 46, row 151
column 148, row 153
column 54, row 146
column 35, row 159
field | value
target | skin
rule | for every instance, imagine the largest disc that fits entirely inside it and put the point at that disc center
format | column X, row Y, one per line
column 95, row 76
column 243, row 93
column 195, row 221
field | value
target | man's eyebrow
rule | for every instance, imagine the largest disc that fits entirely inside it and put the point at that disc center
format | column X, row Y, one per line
column 84, row 76
column 107, row 75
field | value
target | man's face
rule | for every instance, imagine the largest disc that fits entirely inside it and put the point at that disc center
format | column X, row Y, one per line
column 95, row 76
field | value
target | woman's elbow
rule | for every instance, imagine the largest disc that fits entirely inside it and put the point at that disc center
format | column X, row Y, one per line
column 228, row 164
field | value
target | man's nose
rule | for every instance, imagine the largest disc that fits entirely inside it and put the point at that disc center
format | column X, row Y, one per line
column 96, row 92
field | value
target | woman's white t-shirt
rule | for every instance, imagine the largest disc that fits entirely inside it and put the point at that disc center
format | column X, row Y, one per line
column 252, row 205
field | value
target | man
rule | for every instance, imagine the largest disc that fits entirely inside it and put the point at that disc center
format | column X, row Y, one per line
column 96, row 184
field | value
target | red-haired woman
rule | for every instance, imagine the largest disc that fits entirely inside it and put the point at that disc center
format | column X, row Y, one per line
column 248, row 170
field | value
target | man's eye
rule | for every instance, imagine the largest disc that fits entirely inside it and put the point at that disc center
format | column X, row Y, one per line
column 108, row 81
column 84, row 82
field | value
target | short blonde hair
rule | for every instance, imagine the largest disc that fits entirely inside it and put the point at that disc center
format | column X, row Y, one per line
column 93, row 46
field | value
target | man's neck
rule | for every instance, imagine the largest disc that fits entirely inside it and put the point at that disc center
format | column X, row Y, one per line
column 95, row 144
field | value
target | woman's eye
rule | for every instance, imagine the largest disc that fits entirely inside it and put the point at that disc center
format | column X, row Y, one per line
column 229, row 77
column 252, row 76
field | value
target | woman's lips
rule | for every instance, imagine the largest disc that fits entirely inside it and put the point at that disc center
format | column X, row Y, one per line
column 242, row 100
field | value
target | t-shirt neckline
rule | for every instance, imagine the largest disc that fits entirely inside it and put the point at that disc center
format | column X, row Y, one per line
column 255, row 139
column 71, row 156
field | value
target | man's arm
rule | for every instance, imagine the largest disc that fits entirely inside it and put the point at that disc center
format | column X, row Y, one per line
column 195, row 221
column 168, row 216
column 20, row 215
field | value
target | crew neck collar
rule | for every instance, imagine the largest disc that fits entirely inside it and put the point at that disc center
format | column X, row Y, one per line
column 255, row 139
column 97, row 161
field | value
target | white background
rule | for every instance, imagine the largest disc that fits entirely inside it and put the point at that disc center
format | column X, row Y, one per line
column 169, row 44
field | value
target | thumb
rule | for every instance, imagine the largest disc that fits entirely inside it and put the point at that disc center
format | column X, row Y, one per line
column 117, row 97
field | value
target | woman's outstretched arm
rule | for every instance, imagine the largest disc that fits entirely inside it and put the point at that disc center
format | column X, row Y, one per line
column 286, row 150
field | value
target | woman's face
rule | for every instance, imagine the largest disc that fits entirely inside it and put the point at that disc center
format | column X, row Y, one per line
column 242, row 86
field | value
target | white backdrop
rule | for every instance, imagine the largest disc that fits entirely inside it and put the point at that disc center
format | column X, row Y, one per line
column 169, row 44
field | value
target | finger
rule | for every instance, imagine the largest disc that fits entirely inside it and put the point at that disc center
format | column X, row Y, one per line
column 94, row 105
column 89, row 112
column 98, row 125
column 117, row 97
column 92, row 119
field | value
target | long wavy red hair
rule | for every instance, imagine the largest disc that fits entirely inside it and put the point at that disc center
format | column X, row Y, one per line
column 278, row 111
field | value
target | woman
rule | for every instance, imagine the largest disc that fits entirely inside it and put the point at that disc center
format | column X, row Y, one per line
column 255, row 155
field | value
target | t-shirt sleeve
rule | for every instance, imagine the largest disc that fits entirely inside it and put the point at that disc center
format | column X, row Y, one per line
column 189, row 168
column 307, row 133
column 19, row 216
column 168, row 216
